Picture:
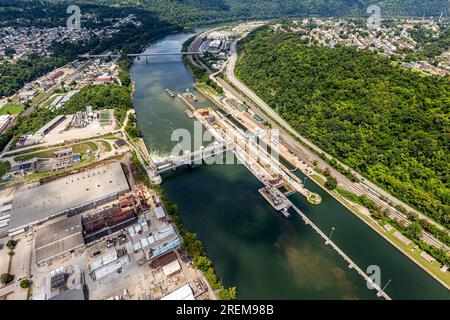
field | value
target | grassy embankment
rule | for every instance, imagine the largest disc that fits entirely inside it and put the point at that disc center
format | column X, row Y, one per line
column 12, row 109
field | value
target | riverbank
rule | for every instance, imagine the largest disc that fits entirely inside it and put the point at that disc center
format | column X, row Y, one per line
column 433, row 270
column 191, row 244
column 193, row 247
column 253, row 248
column 443, row 278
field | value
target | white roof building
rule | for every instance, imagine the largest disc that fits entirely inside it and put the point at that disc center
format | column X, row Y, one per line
column 215, row 44
column 183, row 293
column 159, row 212
column 171, row 268
column 73, row 193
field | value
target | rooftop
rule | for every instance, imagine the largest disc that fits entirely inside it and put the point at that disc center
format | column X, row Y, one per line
column 45, row 201
column 60, row 247
column 57, row 231
column 71, row 294
column 183, row 293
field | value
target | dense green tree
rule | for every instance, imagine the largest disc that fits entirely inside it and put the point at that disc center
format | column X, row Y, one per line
column 331, row 183
column 25, row 283
column 414, row 230
column 11, row 244
column 227, row 294
column 388, row 123
column 6, row 278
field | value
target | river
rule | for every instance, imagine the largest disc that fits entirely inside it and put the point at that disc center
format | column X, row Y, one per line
column 254, row 248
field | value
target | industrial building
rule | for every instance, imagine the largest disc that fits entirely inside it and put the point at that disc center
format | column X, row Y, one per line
column 63, row 159
column 154, row 243
column 70, row 195
column 71, row 294
column 120, row 143
column 106, row 221
column 51, row 125
column 5, row 120
column 109, row 263
column 23, row 168
column 58, row 238
column 159, row 212
column 215, row 45
column 183, row 293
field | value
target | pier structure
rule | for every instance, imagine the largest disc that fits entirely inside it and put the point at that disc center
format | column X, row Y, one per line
column 351, row 264
column 270, row 139
column 267, row 169
column 257, row 159
column 275, row 198
column 190, row 158
column 144, row 158
column 152, row 171
column 248, row 151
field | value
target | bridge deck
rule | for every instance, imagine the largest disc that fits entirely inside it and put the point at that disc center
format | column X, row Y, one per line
column 144, row 54
column 195, row 157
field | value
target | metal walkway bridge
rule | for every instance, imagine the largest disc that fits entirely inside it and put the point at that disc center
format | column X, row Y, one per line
column 193, row 158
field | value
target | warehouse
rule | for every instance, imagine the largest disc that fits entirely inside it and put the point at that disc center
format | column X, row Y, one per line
column 70, row 195
column 5, row 120
column 182, row 293
column 58, row 238
column 51, row 125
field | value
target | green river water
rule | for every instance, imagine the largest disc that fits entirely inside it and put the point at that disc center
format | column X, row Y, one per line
column 254, row 248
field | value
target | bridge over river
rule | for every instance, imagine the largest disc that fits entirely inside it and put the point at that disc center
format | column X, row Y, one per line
column 193, row 158
column 134, row 55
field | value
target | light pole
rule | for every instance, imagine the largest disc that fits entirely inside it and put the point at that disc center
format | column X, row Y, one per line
column 384, row 288
column 329, row 237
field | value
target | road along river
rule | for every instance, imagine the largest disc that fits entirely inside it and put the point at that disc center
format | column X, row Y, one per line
column 253, row 247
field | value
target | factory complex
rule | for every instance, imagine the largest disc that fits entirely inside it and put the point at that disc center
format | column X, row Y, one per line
column 70, row 195
column 100, row 234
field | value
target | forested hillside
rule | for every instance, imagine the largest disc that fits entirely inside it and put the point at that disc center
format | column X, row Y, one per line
column 197, row 12
column 391, row 124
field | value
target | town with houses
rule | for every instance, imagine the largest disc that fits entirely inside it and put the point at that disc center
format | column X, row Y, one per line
column 391, row 40
column 56, row 88
column 93, row 230
column 18, row 42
